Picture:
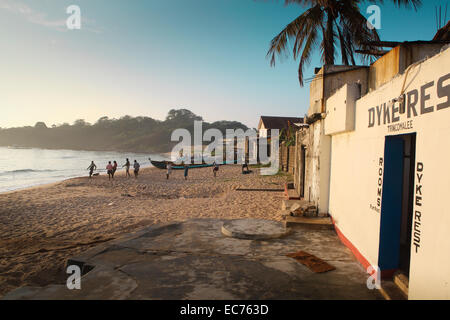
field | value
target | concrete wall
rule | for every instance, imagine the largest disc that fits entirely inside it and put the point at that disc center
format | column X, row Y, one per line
column 353, row 75
column 398, row 60
column 355, row 169
column 341, row 109
column 384, row 69
column 316, row 93
column 318, row 144
column 322, row 87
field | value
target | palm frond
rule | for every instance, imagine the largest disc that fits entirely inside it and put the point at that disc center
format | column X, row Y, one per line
column 405, row 3
column 305, row 59
column 356, row 28
column 297, row 31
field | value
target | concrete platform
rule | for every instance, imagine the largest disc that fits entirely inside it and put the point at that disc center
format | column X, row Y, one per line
column 307, row 221
column 390, row 291
column 194, row 260
column 254, row 229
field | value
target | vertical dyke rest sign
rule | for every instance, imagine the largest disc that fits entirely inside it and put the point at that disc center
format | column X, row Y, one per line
column 413, row 103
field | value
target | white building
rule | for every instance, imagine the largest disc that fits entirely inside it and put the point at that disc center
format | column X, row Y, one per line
column 268, row 123
column 380, row 137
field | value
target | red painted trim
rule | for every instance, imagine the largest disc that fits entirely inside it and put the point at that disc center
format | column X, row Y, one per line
column 384, row 274
column 363, row 261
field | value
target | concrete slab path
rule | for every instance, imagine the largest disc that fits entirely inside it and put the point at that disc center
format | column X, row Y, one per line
column 194, row 260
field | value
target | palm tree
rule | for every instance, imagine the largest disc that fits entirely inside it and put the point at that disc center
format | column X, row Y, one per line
column 332, row 23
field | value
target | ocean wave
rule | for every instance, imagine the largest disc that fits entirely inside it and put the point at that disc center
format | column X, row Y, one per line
column 23, row 171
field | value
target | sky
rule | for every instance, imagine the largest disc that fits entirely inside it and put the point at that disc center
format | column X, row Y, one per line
column 145, row 57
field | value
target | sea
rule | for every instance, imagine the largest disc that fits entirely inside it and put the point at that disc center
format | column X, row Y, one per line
column 27, row 167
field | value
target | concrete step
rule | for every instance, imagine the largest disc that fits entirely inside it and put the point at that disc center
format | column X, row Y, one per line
column 402, row 282
column 390, row 291
column 318, row 222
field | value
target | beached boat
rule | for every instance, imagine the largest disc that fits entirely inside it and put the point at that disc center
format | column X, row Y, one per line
column 163, row 165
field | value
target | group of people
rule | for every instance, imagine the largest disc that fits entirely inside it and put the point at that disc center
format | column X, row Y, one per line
column 111, row 169
column 169, row 170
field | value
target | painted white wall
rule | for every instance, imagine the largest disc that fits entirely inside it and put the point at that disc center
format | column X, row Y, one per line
column 354, row 176
column 341, row 110
column 262, row 131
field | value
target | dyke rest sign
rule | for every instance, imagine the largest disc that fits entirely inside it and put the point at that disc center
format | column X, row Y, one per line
column 414, row 103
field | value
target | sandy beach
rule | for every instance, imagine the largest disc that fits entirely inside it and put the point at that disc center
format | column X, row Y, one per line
column 41, row 227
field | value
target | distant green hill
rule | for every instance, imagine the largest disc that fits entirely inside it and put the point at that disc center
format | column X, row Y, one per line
column 132, row 134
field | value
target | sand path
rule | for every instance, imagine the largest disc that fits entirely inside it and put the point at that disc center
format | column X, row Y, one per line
column 41, row 227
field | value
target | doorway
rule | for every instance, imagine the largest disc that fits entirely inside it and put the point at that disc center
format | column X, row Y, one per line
column 397, row 204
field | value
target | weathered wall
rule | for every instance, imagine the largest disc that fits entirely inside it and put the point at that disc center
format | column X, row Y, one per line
column 291, row 162
column 355, row 74
column 398, row 60
column 341, row 108
column 302, row 138
column 316, row 93
column 318, row 153
column 384, row 69
column 356, row 164
column 284, row 157
column 317, row 166
column 287, row 158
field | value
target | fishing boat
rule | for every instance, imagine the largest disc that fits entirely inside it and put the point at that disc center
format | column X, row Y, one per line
column 163, row 165
column 175, row 166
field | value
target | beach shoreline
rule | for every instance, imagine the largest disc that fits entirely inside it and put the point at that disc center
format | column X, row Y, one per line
column 42, row 226
column 37, row 167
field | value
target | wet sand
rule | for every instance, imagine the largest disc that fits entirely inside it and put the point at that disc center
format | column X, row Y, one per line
column 41, row 227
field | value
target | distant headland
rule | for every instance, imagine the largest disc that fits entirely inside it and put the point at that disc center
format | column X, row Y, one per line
column 133, row 134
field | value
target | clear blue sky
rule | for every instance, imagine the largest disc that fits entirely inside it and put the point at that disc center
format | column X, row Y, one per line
column 144, row 57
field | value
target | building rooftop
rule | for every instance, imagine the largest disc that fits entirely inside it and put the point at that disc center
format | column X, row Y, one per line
column 278, row 122
column 443, row 34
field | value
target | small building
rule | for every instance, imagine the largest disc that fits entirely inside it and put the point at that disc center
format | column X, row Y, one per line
column 266, row 123
column 375, row 156
column 313, row 147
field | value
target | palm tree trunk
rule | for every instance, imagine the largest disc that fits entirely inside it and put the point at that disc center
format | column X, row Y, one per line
column 329, row 38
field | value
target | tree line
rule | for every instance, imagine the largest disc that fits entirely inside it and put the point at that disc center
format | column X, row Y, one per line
column 128, row 134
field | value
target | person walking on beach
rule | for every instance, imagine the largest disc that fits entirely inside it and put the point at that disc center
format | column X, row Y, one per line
column 136, row 167
column 215, row 168
column 169, row 170
column 127, row 166
column 91, row 169
column 109, row 170
column 186, row 170
column 114, row 168
column 245, row 167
